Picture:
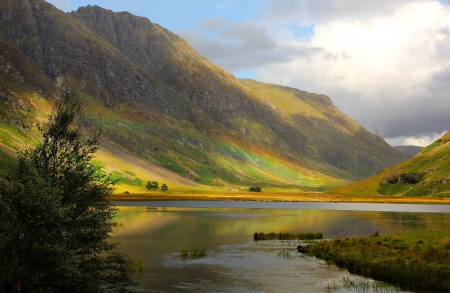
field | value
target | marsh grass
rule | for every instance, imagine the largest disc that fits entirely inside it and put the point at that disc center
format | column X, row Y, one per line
column 287, row 236
column 418, row 261
column 284, row 254
column 138, row 266
column 194, row 253
column 361, row 285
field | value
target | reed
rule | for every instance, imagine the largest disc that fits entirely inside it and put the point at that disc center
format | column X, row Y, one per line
column 194, row 253
column 287, row 236
column 361, row 285
column 417, row 261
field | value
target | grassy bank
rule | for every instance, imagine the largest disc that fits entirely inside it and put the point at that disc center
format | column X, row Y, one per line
column 418, row 261
column 139, row 193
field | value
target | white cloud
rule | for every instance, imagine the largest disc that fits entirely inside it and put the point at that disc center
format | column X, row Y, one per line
column 423, row 140
column 385, row 63
column 241, row 46
column 63, row 5
column 387, row 70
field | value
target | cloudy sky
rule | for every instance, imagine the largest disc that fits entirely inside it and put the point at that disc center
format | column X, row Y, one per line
column 384, row 63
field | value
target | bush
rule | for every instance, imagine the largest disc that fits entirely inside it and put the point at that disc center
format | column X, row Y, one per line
column 255, row 189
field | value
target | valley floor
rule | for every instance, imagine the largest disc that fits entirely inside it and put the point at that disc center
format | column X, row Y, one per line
column 221, row 194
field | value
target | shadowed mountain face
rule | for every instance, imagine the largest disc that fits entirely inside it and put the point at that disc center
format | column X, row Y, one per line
column 409, row 149
column 166, row 111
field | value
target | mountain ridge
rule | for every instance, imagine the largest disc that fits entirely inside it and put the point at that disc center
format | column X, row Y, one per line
column 162, row 103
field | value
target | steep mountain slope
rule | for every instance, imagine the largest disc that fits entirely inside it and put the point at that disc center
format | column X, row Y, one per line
column 409, row 149
column 337, row 140
column 167, row 112
column 427, row 174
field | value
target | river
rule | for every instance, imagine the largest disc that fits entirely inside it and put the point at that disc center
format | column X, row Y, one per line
column 157, row 232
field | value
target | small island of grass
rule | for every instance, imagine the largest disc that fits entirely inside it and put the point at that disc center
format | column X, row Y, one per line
column 287, row 236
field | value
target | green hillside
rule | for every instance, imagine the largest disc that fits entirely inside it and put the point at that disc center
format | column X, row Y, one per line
column 167, row 113
column 427, row 174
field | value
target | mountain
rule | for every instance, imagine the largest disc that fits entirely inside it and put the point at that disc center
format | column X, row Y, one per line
column 409, row 149
column 166, row 112
column 426, row 174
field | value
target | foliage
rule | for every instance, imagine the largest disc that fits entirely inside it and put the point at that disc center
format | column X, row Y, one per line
column 255, row 189
column 408, row 178
column 418, row 261
column 54, row 219
column 152, row 185
column 164, row 187
column 426, row 174
column 120, row 178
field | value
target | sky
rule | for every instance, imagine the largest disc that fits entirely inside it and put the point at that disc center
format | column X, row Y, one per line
column 384, row 63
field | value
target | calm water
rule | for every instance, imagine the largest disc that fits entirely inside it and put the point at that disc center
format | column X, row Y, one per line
column 156, row 233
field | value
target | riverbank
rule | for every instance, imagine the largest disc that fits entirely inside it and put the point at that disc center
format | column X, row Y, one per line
column 130, row 193
column 418, row 261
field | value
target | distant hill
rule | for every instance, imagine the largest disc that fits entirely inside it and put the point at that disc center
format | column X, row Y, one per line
column 409, row 149
column 167, row 113
column 426, row 174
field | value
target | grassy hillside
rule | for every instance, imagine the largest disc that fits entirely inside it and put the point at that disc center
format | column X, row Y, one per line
column 427, row 174
column 167, row 113
column 344, row 147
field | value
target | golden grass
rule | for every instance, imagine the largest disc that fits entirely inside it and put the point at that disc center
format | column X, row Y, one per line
column 222, row 194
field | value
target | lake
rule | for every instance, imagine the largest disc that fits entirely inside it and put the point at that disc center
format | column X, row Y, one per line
column 157, row 232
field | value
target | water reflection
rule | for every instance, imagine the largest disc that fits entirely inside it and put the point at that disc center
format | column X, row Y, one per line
column 235, row 263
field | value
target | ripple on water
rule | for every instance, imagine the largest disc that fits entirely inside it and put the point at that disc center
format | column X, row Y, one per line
column 258, row 267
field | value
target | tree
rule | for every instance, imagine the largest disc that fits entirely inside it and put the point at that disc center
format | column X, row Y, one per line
column 164, row 187
column 55, row 220
column 149, row 185
column 255, row 189
column 155, row 185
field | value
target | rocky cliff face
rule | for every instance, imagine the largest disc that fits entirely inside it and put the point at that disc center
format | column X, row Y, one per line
column 173, row 61
column 159, row 100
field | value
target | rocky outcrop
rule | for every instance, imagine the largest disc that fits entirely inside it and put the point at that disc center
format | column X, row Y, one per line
column 157, row 98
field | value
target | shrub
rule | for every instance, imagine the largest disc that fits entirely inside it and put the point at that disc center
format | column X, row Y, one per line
column 255, row 189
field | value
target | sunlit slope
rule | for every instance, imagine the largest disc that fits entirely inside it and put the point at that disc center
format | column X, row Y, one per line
column 427, row 174
column 341, row 145
column 167, row 113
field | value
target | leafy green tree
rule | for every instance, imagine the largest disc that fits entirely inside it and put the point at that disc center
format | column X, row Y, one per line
column 255, row 189
column 55, row 220
column 155, row 185
column 149, row 185
column 164, row 187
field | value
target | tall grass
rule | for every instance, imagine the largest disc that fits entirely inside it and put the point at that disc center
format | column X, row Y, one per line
column 287, row 236
column 418, row 261
column 194, row 253
column 361, row 285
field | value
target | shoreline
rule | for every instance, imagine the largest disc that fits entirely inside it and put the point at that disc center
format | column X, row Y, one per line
column 274, row 197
